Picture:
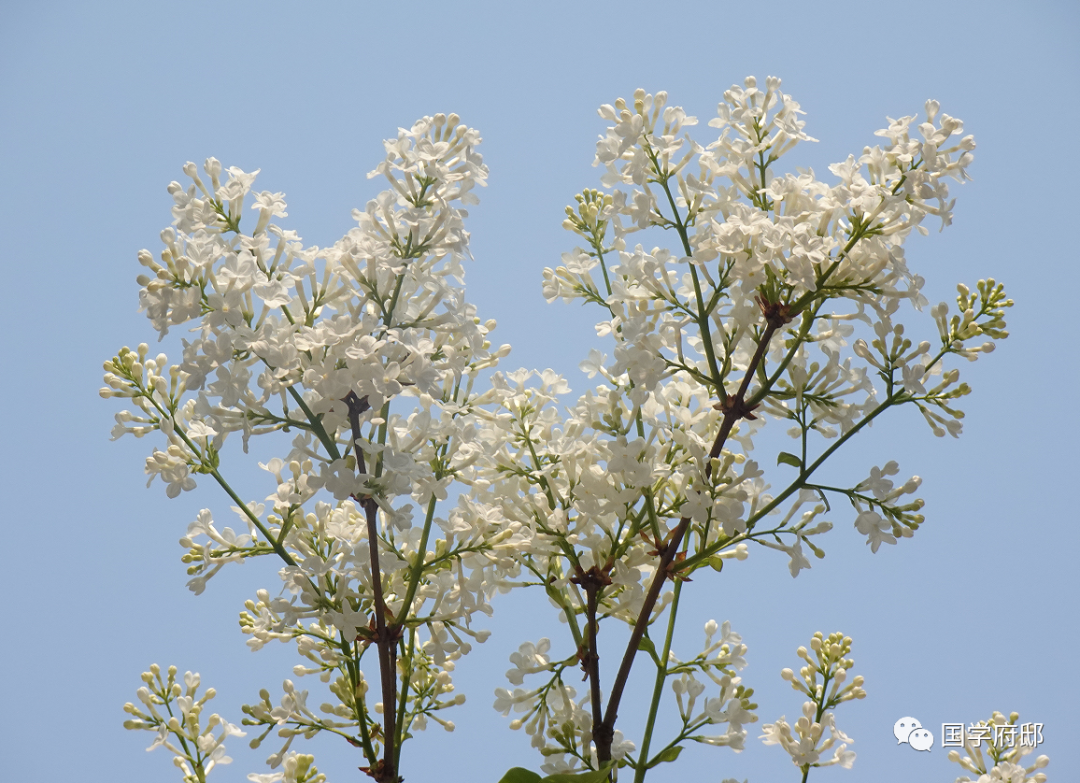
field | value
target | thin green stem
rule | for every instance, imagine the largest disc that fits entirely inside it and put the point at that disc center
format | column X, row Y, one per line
column 818, row 713
column 221, row 481
column 796, row 485
column 352, row 669
column 316, row 425
column 417, row 569
column 403, row 699
column 278, row 548
column 702, row 316
column 658, row 688
column 598, row 246
column 893, row 398
column 393, row 301
column 770, row 381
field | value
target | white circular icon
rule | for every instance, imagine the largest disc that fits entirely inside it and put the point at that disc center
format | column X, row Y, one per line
column 902, row 729
column 921, row 739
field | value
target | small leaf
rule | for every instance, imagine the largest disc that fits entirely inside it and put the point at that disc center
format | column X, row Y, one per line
column 646, row 645
column 783, row 458
column 717, row 563
column 667, row 754
column 520, row 775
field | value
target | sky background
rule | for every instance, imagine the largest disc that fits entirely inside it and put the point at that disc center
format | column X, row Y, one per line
column 104, row 102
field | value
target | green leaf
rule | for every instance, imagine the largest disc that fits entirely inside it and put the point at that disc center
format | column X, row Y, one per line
column 646, row 645
column 783, row 458
column 586, row 776
column 717, row 563
column 667, row 754
column 520, row 775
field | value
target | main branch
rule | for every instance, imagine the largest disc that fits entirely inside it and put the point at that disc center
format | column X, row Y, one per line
column 385, row 638
column 593, row 582
column 734, row 408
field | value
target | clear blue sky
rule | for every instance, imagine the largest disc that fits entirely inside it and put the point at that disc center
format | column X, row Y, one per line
column 102, row 103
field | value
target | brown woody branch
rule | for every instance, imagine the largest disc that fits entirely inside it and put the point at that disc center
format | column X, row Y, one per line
column 385, row 639
column 593, row 582
column 733, row 408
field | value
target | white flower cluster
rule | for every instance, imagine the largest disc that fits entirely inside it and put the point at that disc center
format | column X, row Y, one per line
column 754, row 248
column 821, row 680
column 1002, row 755
column 560, row 724
column 369, row 355
column 732, row 706
column 297, row 768
column 196, row 751
column 777, row 297
column 753, row 311
column 898, row 520
column 806, row 744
